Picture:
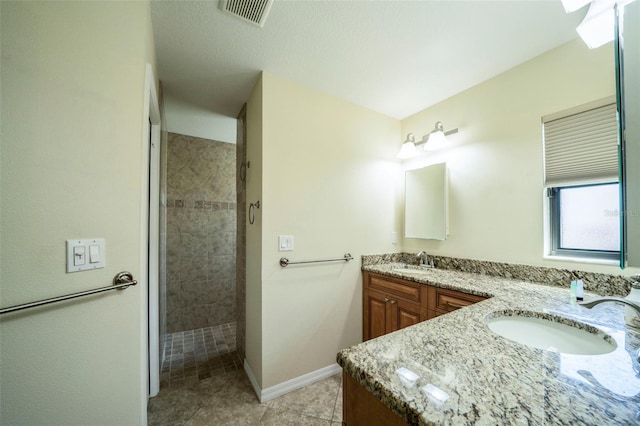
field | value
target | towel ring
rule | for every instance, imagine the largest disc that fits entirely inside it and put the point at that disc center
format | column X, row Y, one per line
column 243, row 171
column 252, row 214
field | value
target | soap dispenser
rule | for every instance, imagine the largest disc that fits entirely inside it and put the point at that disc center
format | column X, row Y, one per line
column 630, row 316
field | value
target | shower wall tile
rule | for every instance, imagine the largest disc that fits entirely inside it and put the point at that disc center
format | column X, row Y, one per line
column 180, row 151
column 173, row 270
column 173, row 294
column 174, row 303
column 222, row 221
column 222, row 308
column 223, row 243
column 195, row 317
column 181, row 183
column 191, row 220
column 227, row 291
column 192, row 244
column 222, row 268
column 201, row 233
column 173, row 246
column 193, row 269
column 174, row 316
column 172, row 217
column 196, row 293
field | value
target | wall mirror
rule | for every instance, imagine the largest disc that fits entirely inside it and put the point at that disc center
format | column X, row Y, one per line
column 628, row 93
column 426, row 203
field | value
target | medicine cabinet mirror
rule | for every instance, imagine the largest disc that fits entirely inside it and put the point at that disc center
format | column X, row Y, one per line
column 426, row 203
column 628, row 91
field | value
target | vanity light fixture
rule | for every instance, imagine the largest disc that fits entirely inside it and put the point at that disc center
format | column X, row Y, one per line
column 408, row 148
column 435, row 140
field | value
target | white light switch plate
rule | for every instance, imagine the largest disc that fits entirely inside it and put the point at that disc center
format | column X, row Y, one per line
column 285, row 243
column 90, row 254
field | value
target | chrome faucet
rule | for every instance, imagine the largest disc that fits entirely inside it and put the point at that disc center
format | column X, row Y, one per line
column 594, row 302
column 424, row 259
column 635, row 354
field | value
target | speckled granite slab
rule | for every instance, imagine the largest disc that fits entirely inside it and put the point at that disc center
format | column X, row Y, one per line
column 605, row 284
column 490, row 380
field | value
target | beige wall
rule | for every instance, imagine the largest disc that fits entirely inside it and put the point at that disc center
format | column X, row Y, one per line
column 495, row 164
column 330, row 179
column 73, row 164
column 253, row 308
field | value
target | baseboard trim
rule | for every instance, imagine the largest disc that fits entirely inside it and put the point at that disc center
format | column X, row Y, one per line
column 296, row 383
column 252, row 379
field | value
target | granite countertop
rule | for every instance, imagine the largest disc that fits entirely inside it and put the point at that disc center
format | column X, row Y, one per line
column 490, row 379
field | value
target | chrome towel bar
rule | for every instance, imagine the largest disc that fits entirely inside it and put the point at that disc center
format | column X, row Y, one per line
column 121, row 281
column 284, row 262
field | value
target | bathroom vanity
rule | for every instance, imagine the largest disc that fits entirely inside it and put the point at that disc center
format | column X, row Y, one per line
column 391, row 303
column 461, row 372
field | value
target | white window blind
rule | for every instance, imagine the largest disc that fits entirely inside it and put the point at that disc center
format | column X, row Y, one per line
column 581, row 147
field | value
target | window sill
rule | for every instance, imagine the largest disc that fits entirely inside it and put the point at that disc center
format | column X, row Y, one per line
column 582, row 260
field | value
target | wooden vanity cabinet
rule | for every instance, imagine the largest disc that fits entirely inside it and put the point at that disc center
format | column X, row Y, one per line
column 361, row 408
column 441, row 300
column 390, row 304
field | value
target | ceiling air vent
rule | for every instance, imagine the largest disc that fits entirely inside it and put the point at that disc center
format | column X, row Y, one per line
column 254, row 11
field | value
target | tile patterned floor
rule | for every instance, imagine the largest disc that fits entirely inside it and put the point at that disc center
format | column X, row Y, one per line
column 205, row 384
column 198, row 354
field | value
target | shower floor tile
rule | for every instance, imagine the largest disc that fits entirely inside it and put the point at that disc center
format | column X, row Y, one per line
column 194, row 355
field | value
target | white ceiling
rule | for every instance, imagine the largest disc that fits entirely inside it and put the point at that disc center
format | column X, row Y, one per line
column 394, row 57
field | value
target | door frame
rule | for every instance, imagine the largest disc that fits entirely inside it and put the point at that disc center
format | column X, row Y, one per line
column 149, row 239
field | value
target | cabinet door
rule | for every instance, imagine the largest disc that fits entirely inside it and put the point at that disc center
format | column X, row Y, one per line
column 404, row 314
column 376, row 318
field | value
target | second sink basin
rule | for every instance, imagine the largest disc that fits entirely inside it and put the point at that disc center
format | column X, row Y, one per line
column 411, row 270
column 552, row 333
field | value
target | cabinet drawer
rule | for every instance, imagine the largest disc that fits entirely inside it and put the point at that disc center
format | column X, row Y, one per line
column 404, row 289
column 442, row 300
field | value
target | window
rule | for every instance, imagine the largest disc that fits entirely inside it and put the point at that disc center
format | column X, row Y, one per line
column 585, row 221
column 581, row 180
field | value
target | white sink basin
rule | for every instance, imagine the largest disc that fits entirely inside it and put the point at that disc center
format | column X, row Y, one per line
column 411, row 271
column 547, row 333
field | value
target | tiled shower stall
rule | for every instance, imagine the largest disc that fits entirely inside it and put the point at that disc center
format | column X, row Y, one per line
column 201, row 233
